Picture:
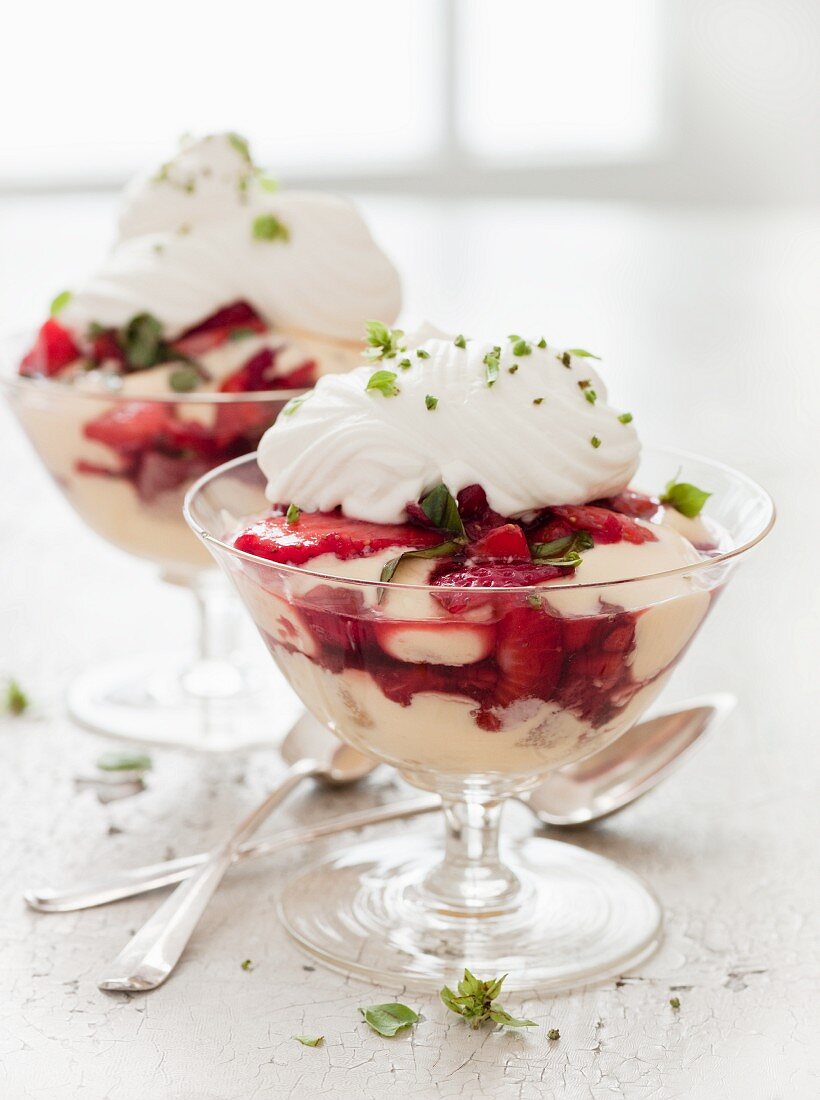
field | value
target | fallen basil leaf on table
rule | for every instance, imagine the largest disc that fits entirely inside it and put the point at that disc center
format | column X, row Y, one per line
column 16, row 701
column 124, row 762
column 389, row 1018
column 475, row 1002
column 309, row 1040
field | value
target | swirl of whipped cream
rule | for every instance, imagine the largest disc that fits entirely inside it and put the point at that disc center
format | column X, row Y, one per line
column 187, row 246
column 521, row 426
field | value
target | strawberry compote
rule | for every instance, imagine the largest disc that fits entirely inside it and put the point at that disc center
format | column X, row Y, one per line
column 478, row 652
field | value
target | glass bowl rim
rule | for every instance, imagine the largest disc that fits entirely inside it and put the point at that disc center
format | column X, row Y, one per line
column 22, row 383
column 296, row 571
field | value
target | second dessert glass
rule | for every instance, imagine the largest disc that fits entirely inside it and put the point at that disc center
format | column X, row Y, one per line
column 214, row 697
column 476, row 694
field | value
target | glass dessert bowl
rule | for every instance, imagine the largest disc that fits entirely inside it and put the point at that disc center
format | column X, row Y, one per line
column 476, row 688
column 217, row 309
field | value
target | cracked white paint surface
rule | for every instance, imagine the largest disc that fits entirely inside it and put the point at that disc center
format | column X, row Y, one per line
column 729, row 843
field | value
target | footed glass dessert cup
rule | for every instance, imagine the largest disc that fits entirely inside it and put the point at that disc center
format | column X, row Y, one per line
column 476, row 694
column 124, row 464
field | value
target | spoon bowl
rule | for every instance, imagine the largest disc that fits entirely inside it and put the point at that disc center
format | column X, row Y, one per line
column 601, row 784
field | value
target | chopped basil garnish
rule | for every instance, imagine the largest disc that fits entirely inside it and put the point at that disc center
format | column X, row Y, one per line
column 492, row 361
column 16, row 701
column 184, row 379
column 246, row 965
column 537, row 400
column 591, row 396
column 60, row 302
column 384, row 381
column 422, row 354
column 685, row 498
column 521, row 347
column 564, row 551
column 542, row 343
column 267, row 227
column 460, row 341
column 383, row 342
column 565, row 359
column 124, row 762
column 293, row 513
column 512, row 369
column 595, row 441
column 241, row 145
column 294, row 404
column 309, row 1040
column 405, row 364
column 143, row 343
column 625, row 418
column 582, row 354
column 241, row 333
column 267, row 182
column 430, row 401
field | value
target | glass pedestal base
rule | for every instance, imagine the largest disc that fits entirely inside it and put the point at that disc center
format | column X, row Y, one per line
column 208, row 705
column 577, row 918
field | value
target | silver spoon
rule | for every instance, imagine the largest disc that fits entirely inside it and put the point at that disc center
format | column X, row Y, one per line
column 576, row 794
column 153, row 952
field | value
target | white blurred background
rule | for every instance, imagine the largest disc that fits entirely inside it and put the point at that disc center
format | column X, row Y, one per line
column 706, row 100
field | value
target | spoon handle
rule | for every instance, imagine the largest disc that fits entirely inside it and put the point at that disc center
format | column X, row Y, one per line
column 151, row 954
column 141, row 880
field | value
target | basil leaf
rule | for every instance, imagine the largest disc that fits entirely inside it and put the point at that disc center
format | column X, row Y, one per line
column 124, row 762
column 388, row 1019
column 142, row 342
column 442, row 510
column 582, row 354
column 60, row 302
column 440, row 551
column 499, row 1016
column 309, row 1040
column 267, row 227
column 685, row 498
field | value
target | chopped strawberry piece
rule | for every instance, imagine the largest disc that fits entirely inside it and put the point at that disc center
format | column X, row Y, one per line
column 218, row 328
column 578, row 632
column 318, row 533
column 550, row 531
column 252, row 375
column 477, row 515
column 104, row 347
column 130, row 427
column 301, row 378
column 602, row 524
column 53, row 350
column 506, row 543
column 631, row 503
column 529, row 655
column 634, row 532
column 246, row 419
column 236, row 315
column 354, row 635
column 158, row 473
column 459, row 575
column 400, row 682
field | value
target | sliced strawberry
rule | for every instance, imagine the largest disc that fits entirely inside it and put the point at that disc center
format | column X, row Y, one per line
column 469, row 574
column 578, row 633
column 53, row 350
column 217, row 329
column 631, row 503
column 130, row 427
column 529, row 655
column 506, row 543
column 317, row 533
column 550, row 531
column 436, row 642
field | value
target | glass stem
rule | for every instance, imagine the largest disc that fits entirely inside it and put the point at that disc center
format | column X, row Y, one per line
column 471, row 879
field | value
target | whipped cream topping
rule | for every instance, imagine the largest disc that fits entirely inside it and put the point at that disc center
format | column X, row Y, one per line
column 191, row 241
column 531, row 438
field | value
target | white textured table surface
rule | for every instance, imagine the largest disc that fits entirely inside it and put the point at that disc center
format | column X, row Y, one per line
column 709, row 322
